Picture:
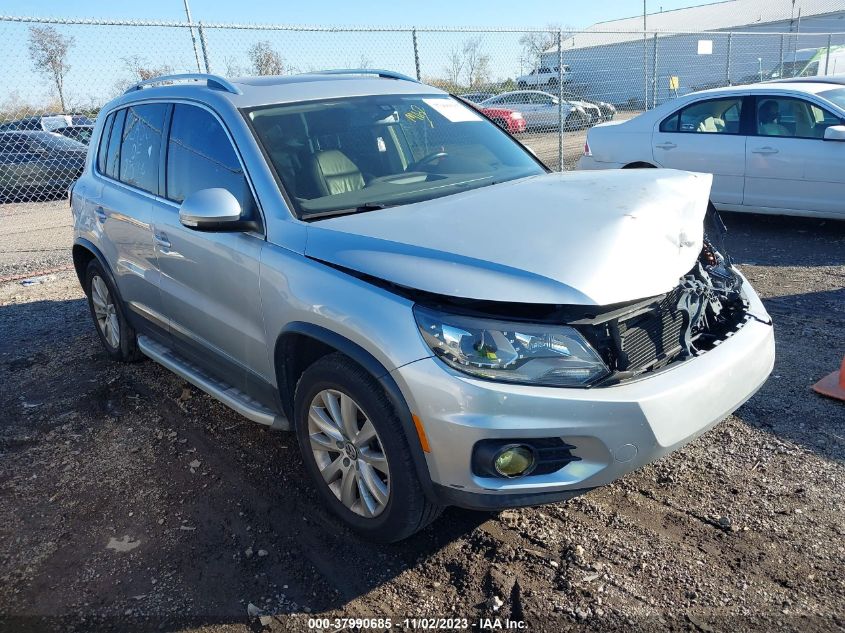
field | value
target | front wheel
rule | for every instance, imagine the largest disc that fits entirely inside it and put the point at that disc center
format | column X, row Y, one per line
column 356, row 452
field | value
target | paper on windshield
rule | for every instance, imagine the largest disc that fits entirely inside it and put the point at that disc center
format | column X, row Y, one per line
column 452, row 110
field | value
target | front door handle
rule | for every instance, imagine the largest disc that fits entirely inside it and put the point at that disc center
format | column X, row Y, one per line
column 161, row 240
column 764, row 150
column 101, row 214
column 666, row 145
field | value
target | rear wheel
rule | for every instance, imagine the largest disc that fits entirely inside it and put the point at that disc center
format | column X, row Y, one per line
column 116, row 335
column 355, row 450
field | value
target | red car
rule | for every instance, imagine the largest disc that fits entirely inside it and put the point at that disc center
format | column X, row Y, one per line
column 511, row 121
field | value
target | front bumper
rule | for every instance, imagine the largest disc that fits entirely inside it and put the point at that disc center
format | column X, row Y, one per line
column 615, row 429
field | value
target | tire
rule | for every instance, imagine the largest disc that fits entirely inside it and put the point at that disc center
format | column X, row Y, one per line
column 325, row 448
column 552, row 82
column 107, row 310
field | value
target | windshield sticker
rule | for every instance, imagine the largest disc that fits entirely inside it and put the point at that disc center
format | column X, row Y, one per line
column 416, row 114
column 452, row 110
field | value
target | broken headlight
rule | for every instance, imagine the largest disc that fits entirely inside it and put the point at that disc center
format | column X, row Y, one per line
column 551, row 355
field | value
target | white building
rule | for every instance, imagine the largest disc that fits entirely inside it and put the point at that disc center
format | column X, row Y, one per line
column 716, row 44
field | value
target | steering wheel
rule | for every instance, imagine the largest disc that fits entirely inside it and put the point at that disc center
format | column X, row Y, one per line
column 425, row 160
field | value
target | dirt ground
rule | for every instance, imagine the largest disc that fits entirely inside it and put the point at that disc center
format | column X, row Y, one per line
column 132, row 501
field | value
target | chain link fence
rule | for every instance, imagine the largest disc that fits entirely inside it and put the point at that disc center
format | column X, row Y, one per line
column 544, row 86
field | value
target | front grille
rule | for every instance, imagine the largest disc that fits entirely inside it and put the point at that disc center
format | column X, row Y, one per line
column 651, row 336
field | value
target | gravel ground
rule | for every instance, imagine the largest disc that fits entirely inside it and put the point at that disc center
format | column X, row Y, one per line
column 131, row 501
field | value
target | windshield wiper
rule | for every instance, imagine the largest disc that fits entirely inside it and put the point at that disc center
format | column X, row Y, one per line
column 361, row 208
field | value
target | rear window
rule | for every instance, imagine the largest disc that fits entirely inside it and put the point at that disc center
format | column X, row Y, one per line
column 140, row 152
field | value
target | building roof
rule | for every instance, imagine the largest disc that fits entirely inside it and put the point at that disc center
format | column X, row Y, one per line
column 716, row 16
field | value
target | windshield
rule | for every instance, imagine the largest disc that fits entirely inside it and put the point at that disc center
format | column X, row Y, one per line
column 835, row 96
column 788, row 70
column 361, row 153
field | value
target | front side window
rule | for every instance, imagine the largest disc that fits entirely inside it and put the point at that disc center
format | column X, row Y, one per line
column 792, row 118
column 140, row 151
column 715, row 116
column 358, row 153
column 201, row 156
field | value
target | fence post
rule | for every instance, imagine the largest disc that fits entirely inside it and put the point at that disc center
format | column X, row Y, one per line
column 728, row 62
column 193, row 37
column 416, row 53
column 654, row 73
column 560, row 99
column 827, row 55
column 204, row 46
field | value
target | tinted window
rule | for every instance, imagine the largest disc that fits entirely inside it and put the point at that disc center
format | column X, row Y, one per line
column 200, row 156
column 716, row 116
column 12, row 143
column 140, row 150
column 113, row 154
column 104, row 143
column 792, row 118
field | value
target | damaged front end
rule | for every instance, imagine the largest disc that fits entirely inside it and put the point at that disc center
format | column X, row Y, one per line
column 704, row 309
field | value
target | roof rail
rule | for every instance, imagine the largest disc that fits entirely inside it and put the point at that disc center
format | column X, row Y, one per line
column 386, row 74
column 212, row 81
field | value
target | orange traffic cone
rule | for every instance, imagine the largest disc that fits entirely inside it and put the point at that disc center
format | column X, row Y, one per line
column 832, row 385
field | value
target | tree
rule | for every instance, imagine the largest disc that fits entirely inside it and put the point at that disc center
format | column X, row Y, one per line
column 536, row 43
column 141, row 69
column 265, row 59
column 476, row 63
column 48, row 51
column 454, row 67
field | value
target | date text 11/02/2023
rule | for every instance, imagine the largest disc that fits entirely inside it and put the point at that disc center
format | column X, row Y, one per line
column 419, row 624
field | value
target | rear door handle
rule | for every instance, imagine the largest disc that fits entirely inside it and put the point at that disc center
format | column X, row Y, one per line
column 101, row 214
column 666, row 145
column 161, row 240
column 764, row 150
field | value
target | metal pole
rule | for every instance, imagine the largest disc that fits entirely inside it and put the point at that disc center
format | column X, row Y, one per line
column 827, row 54
column 193, row 37
column 416, row 53
column 645, row 60
column 728, row 62
column 560, row 99
column 204, row 49
column 654, row 73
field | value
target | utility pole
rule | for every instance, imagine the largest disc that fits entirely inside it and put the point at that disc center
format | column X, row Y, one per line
column 193, row 37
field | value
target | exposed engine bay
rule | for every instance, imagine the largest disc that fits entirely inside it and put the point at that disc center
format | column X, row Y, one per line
column 703, row 310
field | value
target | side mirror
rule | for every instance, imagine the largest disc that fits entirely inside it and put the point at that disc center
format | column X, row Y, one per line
column 835, row 133
column 214, row 209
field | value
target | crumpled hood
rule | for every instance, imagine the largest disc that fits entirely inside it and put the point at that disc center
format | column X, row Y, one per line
column 586, row 238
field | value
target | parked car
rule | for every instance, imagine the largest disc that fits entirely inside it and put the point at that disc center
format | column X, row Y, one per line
column 80, row 133
column 512, row 121
column 477, row 97
column 368, row 262
column 45, row 122
column 771, row 147
column 809, row 62
column 606, row 110
column 544, row 77
column 38, row 165
column 540, row 109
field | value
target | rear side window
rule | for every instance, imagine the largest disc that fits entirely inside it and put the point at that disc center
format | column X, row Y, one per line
column 113, row 154
column 140, row 150
column 102, row 149
column 716, row 116
column 200, row 156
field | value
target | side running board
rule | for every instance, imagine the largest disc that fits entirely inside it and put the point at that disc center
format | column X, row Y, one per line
column 227, row 394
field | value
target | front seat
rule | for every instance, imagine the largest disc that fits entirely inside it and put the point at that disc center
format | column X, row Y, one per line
column 335, row 173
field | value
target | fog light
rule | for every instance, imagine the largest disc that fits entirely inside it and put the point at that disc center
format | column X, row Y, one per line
column 514, row 461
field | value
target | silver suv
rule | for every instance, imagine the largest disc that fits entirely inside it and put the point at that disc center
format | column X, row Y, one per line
column 364, row 260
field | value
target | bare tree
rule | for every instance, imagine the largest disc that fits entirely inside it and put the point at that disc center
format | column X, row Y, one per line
column 265, row 59
column 48, row 51
column 454, row 67
column 538, row 42
column 140, row 68
column 476, row 63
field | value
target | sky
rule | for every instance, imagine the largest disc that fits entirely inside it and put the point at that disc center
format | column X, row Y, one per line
column 489, row 13
column 101, row 58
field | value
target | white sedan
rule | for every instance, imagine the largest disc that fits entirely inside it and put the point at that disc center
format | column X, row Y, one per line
column 772, row 148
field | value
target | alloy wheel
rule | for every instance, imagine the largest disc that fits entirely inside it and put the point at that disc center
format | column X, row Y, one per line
column 105, row 311
column 349, row 453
